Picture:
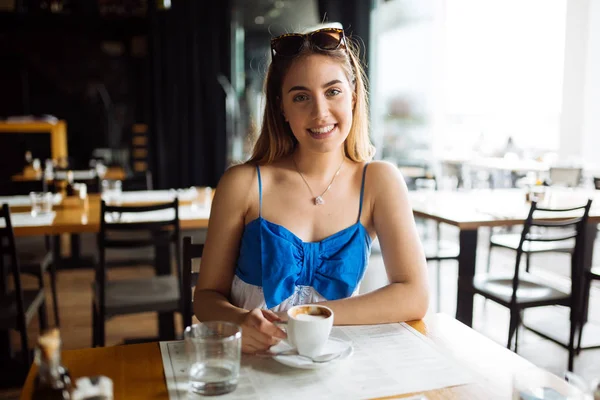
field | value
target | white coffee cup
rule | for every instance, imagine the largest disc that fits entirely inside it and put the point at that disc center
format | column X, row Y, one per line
column 308, row 328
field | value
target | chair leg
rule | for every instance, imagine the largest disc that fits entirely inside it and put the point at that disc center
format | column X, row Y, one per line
column 54, row 294
column 489, row 260
column 94, row 325
column 572, row 344
column 514, row 323
column 42, row 311
column 101, row 320
column 43, row 316
column 586, row 299
column 519, row 323
column 25, row 343
column 527, row 261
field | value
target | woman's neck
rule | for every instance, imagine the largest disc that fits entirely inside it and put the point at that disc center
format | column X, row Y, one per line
column 318, row 166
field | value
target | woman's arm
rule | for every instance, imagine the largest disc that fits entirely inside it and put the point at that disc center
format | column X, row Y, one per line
column 407, row 296
column 211, row 296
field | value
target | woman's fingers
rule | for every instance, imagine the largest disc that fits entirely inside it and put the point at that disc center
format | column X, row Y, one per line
column 258, row 333
column 269, row 327
column 270, row 315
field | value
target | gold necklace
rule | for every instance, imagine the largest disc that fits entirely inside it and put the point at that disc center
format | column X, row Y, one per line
column 318, row 200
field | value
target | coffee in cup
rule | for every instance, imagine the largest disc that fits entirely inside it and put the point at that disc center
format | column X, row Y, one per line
column 308, row 328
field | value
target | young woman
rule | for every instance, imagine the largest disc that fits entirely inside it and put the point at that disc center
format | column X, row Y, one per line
column 294, row 225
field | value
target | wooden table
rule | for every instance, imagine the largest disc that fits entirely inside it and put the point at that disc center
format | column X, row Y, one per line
column 137, row 371
column 57, row 131
column 112, row 173
column 77, row 216
column 473, row 209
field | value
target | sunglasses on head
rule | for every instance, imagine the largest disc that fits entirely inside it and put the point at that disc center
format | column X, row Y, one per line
column 291, row 44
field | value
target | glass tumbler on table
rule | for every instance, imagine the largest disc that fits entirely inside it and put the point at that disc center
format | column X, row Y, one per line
column 214, row 350
column 41, row 203
column 111, row 191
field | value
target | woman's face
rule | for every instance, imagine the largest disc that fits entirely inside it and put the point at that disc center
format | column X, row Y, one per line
column 317, row 102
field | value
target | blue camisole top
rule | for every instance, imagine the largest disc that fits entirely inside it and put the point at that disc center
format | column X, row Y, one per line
column 274, row 258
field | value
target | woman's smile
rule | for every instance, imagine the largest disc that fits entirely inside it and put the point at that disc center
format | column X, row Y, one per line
column 322, row 132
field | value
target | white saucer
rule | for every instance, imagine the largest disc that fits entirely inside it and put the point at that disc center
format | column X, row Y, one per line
column 333, row 346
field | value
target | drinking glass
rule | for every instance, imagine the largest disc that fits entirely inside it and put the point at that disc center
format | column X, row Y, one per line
column 213, row 349
column 41, row 203
column 111, row 190
column 208, row 196
column 80, row 190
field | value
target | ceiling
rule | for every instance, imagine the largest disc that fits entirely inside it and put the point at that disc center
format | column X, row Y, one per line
column 277, row 16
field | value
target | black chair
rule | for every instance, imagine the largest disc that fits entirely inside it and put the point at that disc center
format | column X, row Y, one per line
column 138, row 181
column 559, row 176
column 522, row 290
column 17, row 306
column 436, row 250
column 159, row 293
column 190, row 277
column 590, row 276
column 38, row 265
column 511, row 241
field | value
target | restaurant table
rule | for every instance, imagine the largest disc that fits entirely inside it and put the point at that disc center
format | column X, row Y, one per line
column 137, row 370
column 473, row 209
column 112, row 173
column 57, row 131
column 83, row 216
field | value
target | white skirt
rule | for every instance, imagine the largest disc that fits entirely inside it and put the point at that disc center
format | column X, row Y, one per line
column 247, row 296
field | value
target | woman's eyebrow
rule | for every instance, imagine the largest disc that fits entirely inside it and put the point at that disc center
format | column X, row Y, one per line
column 333, row 82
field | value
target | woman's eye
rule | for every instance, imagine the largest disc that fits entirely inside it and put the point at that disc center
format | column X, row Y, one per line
column 333, row 92
column 300, row 97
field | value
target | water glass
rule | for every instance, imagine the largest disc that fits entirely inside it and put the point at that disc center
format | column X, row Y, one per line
column 41, row 203
column 208, row 196
column 111, row 190
column 537, row 384
column 80, row 190
column 214, row 350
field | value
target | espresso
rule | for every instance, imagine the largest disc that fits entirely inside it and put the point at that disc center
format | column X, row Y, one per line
column 310, row 317
column 309, row 312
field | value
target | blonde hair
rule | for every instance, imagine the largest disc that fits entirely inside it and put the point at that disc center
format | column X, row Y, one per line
column 276, row 140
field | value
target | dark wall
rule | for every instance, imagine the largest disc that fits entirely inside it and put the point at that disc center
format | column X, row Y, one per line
column 355, row 16
column 75, row 73
column 189, row 48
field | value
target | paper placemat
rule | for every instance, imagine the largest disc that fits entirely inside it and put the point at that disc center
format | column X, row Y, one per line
column 25, row 200
column 186, row 212
column 388, row 360
column 78, row 175
column 154, row 196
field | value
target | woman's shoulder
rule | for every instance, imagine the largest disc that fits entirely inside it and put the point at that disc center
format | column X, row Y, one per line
column 237, row 181
column 383, row 170
column 239, row 172
column 382, row 176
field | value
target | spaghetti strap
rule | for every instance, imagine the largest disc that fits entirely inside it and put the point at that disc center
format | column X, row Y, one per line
column 259, row 192
column 362, row 191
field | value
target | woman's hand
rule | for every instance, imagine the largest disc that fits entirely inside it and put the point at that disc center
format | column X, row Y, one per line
column 259, row 332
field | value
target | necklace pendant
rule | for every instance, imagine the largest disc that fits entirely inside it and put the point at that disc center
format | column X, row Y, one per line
column 319, row 200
